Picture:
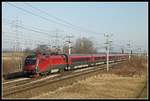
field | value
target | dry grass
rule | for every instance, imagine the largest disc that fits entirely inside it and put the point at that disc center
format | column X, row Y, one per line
column 101, row 86
column 11, row 65
column 10, row 54
column 136, row 66
column 12, row 62
column 125, row 82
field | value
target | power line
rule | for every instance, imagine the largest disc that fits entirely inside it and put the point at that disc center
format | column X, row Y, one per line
column 12, row 37
column 48, row 19
column 47, row 13
column 58, row 18
column 34, row 30
column 44, row 30
column 29, row 29
column 35, row 14
column 56, row 41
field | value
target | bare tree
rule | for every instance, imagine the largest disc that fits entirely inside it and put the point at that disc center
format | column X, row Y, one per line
column 84, row 46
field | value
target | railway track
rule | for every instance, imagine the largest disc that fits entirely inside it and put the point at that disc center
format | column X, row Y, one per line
column 16, row 82
column 29, row 84
column 23, row 81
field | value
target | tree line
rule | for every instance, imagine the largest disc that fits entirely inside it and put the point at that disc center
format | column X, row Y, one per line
column 81, row 46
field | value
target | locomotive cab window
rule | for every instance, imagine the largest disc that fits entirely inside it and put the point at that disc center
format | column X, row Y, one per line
column 30, row 60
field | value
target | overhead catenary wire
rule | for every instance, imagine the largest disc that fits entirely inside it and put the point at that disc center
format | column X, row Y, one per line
column 66, row 22
column 37, row 15
column 10, row 36
column 29, row 29
column 49, row 19
column 35, row 27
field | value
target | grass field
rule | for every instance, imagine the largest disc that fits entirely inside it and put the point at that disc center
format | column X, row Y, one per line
column 100, row 86
column 12, row 62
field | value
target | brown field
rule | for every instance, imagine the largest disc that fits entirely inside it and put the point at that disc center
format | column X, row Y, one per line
column 130, row 81
column 12, row 62
column 11, row 65
column 100, row 86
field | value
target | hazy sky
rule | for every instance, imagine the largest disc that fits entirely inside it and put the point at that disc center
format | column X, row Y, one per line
column 126, row 21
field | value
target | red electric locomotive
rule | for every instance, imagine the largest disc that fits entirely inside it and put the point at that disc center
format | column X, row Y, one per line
column 42, row 64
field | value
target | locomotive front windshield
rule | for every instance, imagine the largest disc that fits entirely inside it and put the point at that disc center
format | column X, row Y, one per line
column 30, row 60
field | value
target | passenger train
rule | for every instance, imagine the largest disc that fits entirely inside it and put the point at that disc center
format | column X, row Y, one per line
column 39, row 64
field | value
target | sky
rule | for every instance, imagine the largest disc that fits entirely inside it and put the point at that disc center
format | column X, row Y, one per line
column 126, row 21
